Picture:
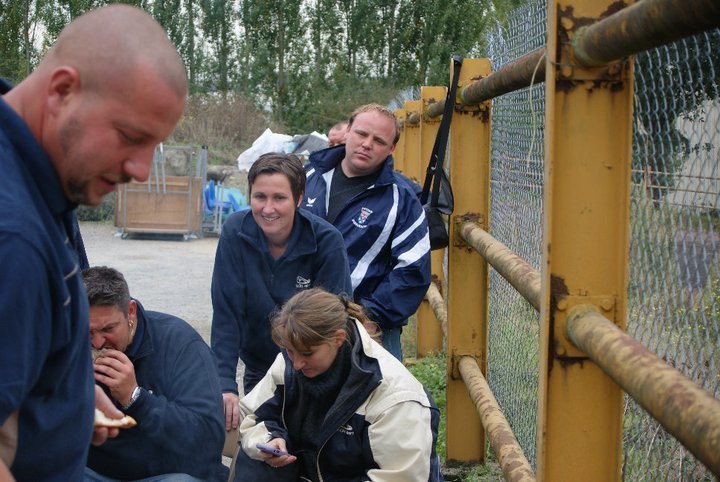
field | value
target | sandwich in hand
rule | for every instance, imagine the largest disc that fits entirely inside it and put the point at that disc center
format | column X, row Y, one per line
column 102, row 420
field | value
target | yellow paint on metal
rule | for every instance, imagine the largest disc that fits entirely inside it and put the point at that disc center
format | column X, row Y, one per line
column 429, row 334
column 585, row 245
column 689, row 413
column 411, row 132
column 399, row 153
column 467, row 271
column 513, row 462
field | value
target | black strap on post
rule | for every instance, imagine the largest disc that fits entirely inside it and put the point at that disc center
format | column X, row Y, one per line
column 437, row 158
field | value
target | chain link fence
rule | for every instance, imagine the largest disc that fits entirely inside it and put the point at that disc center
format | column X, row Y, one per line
column 674, row 275
column 516, row 208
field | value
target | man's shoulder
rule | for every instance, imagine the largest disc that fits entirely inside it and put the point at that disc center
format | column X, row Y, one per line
column 20, row 219
column 165, row 325
column 320, row 226
column 402, row 180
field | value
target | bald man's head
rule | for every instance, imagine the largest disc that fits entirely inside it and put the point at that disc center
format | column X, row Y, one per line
column 111, row 89
column 108, row 43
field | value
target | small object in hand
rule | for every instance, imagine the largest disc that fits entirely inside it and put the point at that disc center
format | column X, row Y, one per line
column 102, row 420
column 98, row 353
column 269, row 449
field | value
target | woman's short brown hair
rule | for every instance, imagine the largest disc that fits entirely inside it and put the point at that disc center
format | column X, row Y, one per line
column 276, row 162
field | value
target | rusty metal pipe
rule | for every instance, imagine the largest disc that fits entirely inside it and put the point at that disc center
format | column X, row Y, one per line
column 437, row 303
column 519, row 273
column 643, row 26
column 436, row 109
column 413, row 118
column 687, row 412
column 510, row 455
column 508, row 78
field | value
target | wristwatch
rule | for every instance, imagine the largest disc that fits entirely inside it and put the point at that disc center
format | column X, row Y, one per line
column 134, row 396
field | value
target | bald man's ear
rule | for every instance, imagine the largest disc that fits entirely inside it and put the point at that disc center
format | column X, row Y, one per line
column 63, row 86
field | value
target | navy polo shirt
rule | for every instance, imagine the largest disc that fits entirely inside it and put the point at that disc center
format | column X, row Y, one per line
column 46, row 376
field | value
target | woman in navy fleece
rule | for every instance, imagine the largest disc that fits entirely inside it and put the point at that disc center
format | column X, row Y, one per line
column 263, row 258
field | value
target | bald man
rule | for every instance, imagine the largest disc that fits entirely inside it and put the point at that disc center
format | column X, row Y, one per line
column 111, row 88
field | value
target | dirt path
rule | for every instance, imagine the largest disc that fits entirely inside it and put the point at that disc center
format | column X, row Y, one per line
column 167, row 274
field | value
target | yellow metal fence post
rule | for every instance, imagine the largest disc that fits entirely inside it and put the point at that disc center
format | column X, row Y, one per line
column 399, row 153
column 585, row 246
column 412, row 159
column 429, row 332
column 467, row 271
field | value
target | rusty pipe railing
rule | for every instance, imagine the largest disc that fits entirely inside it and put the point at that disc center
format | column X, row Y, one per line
column 643, row 26
column 510, row 455
column 688, row 412
column 519, row 273
column 528, row 69
column 639, row 27
column 437, row 303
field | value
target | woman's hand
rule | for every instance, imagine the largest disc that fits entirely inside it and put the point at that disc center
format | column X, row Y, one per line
column 231, row 405
column 274, row 460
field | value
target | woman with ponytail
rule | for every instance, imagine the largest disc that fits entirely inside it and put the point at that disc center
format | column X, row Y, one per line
column 335, row 403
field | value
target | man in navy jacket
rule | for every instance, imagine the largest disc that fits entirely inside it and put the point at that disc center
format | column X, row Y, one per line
column 87, row 118
column 379, row 216
column 158, row 370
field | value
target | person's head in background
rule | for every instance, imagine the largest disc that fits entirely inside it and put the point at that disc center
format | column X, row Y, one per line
column 276, row 186
column 336, row 134
column 109, row 90
column 113, row 314
column 372, row 134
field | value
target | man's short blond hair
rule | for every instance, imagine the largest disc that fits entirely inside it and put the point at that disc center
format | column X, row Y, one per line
column 380, row 109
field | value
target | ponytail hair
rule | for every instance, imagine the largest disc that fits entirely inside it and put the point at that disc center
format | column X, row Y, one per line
column 313, row 317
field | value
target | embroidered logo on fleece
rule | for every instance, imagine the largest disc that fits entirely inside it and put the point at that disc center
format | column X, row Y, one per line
column 302, row 283
column 362, row 218
column 346, row 429
column 310, row 201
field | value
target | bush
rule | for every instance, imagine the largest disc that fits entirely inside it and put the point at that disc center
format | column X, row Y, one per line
column 225, row 122
column 103, row 212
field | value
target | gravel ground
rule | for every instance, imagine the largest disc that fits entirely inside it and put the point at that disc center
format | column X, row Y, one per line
column 164, row 272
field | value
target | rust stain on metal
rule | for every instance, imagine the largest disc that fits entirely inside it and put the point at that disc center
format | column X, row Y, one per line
column 436, row 281
column 613, row 8
column 568, row 25
column 558, row 291
column 566, row 361
column 564, row 85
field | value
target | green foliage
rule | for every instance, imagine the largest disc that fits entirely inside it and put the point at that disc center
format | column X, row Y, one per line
column 431, row 372
column 227, row 123
column 103, row 212
column 305, row 64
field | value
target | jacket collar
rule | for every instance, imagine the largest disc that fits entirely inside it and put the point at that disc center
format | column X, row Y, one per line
column 142, row 344
column 303, row 239
column 330, row 158
column 34, row 158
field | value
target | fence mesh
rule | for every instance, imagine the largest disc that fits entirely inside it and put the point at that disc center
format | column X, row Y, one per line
column 516, row 182
column 674, row 277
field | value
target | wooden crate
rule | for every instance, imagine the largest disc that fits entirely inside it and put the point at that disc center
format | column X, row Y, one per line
column 174, row 207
